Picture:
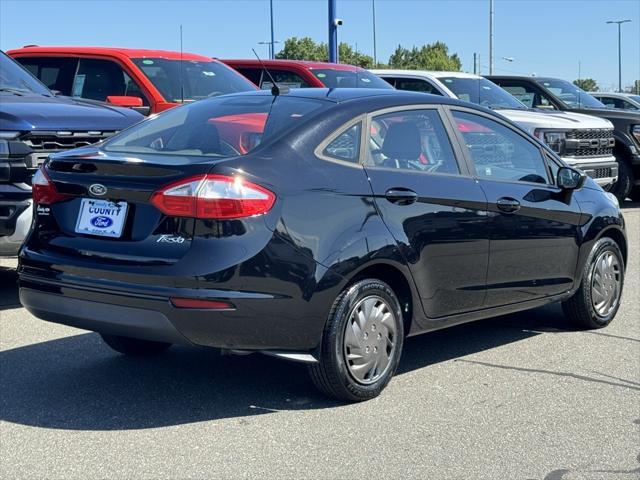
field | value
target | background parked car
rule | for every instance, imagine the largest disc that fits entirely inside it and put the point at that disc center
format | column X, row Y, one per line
column 598, row 162
column 303, row 74
column 623, row 101
column 149, row 80
column 557, row 94
column 33, row 124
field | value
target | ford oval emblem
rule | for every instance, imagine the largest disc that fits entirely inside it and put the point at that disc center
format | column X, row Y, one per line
column 101, row 222
column 97, row 189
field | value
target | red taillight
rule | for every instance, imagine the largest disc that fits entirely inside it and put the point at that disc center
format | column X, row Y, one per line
column 43, row 189
column 213, row 196
column 201, row 304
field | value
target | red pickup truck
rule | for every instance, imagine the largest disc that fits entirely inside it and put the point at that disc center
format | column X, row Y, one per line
column 303, row 74
column 149, row 81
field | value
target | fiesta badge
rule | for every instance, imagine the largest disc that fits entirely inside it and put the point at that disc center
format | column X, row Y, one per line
column 97, row 189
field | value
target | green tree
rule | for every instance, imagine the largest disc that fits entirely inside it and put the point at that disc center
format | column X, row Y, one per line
column 586, row 84
column 434, row 56
column 306, row 48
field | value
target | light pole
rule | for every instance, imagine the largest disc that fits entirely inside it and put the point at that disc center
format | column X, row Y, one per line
column 375, row 52
column 619, row 22
column 490, row 37
column 333, row 32
column 272, row 47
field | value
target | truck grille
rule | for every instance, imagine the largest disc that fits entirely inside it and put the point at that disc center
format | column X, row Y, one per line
column 589, row 143
column 44, row 143
column 600, row 173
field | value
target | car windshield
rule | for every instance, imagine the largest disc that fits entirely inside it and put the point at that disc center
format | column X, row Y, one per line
column 482, row 92
column 219, row 127
column 635, row 97
column 359, row 78
column 571, row 95
column 14, row 78
column 191, row 80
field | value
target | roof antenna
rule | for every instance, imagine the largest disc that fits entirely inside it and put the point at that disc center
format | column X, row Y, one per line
column 276, row 89
column 181, row 77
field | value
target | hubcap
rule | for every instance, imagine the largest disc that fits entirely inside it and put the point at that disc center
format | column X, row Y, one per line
column 369, row 339
column 605, row 283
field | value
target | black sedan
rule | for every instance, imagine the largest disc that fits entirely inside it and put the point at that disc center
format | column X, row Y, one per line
column 321, row 226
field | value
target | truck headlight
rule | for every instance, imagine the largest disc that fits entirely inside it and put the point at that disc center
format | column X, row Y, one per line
column 554, row 140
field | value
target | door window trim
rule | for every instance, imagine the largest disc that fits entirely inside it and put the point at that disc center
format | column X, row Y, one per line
column 467, row 154
column 319, row 150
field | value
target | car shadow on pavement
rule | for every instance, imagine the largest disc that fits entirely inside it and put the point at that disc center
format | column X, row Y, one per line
column 78, row 383
column 8, row 289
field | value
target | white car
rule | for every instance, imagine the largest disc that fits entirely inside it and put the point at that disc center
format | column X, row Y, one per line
column 623, row 101
column 582, row 141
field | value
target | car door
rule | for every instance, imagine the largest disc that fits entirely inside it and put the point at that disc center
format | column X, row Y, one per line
column 431, row 205
column 534, row 226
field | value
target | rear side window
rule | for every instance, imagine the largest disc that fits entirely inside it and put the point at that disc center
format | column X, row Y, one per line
column 252, row 74
column 55, row 73
column 416, row 85
column 413, row 140
column 283, row 77
column 346, row 146
column 499, row 153
column 217, row 127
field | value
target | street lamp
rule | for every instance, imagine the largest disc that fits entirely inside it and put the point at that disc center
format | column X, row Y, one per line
column 619, row 22
column 509, row 59
column 272, row 48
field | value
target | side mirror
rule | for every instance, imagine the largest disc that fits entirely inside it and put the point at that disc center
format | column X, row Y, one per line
column 124, row 101
column 570, row 179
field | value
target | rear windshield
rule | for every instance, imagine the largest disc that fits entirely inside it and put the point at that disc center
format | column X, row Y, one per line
column 482, row 92
column 218, row 127
column 190, row 80
column 349, row 79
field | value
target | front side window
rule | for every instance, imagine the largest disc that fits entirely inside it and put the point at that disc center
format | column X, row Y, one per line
column 346, row 146
column 98, row 79
column 411, row 140
column 570, row 94
column 218, row 127
column 498, row 152
column 357, row 78
column 481, row 92
column 190, row 80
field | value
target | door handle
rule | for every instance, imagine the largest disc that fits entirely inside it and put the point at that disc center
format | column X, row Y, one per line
column 401, row 196
column 508, row 204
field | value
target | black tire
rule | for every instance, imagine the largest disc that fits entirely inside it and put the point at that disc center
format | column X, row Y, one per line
column 331, row 375
column 580, row 308
column 622, row 188
column 635, row 193
column 133, row 346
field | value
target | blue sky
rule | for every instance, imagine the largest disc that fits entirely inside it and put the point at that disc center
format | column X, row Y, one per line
column 545, row 37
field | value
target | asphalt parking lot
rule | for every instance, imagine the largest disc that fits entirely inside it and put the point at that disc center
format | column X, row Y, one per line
column 519, row 397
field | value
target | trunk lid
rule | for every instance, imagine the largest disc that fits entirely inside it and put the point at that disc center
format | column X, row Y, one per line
column 91, row 177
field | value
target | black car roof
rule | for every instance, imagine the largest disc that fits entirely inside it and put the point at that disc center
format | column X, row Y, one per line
column 340, row 95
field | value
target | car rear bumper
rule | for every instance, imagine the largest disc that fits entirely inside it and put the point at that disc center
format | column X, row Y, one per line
column 256, row 321
column 603, row 170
